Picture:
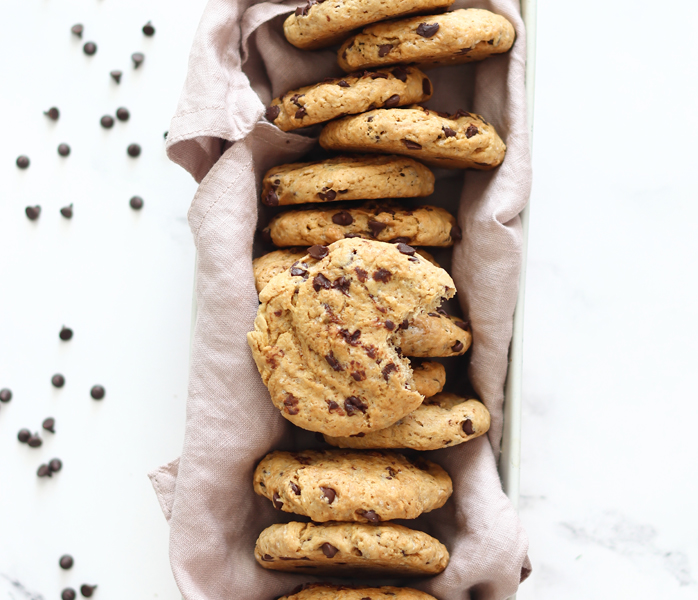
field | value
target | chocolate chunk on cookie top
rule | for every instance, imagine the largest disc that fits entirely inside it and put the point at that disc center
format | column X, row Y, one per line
column 347, row 178
column 346, row 485
column 459, row 141
column 460, row 36
column 318, row 24
column 349, row 95
column 325, row 591
column 321, row 343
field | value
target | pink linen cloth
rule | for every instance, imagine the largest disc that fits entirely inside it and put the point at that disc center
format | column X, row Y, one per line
column 238, row 63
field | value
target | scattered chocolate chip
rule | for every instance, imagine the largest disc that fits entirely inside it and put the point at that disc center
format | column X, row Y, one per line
column 77, row 29
column 405, row 249
column 24, row 435
column 68, row 594
column 350, row 338
column 272, row 112
column 55, row 465
column 97, row 392
column 461, row 113
column 427, row 30
column 137, row 58
column 468, row 427
column 382, row 275
column 376, row 227
column 134, row 150
column 49, row 424
column 392, row 102
column 148, row 29
column 448, row 132
column 358, row 375
column 136, row 202
column 35, row 441
column 342, row 284
column 53, row 113
column 463, row 325
column 329, row 550
column 122, row 114
column 387, row 370
column 33, row 212
column 331, row 407
column 457, row 347
column 384, row 49
column 342, row 218
column 361, row 274
column 295, row 99
column 298, row 272
column 389, row 325
column 116, row 76
column 300, row 113
column 63, row 149
column 333, row 362
column 369, row 515
column 107, row 122
column 67, row 211
column 371, row 351
column 471, row 131
column 267, row 558
column 89, row 48
column 87, row 590
column 328, row 195
column 353, row 404
column 318, row 252
column 43, row 471
column 291, row 404
column 400, row 73
column 426, row 87
column 22, row 162
column 328, row 494
column 65, row 333
column 456, row 233
column 276, row 501
column 296, row 489
column 342, row 83
column 404, row 325
column 410, row 145
column 66, row 561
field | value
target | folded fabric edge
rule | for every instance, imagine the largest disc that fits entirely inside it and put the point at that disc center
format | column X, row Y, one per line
column 164, row 482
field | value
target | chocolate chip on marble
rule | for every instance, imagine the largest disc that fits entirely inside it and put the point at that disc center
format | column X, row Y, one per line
column 137, row 58
column 65, row 333
column 276, row 501
column 328, row 494
column 87, row 590
column 426, row 87
column 468, row 427
column 133, row 150
column 392, row 102
column 136, row 203
column 23, row 435
column 116, row 76
column 400, row 73
column 77, row 29
column 49, row 424
column 53, row 113
column 67, row 211
column 68, row 594
column 427, row 30
column 384, row 49
column 457, row 347
column 22, row 161
column 43, row 471
column 448, row 132
column 148, row 29
column 107, row 122
column 405, row 249
column 66, row 562
column 382, row 275
column 343, row 218
column 318, row 252
column 333, row 362
column 471, row 131
column 329, row 550
column 122, row 114
column 387, row 370
column 33, row 212
column 327, row 195
column 89, row 48
column 63, row 149
column 376, row 227
column 55, row 465
column 353, row 404
column 389, row 325
column 97, row 392
column 291, row 404
column 35, row 441
column 410, row 145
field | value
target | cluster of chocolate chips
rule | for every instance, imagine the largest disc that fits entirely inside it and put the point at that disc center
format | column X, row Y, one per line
column 66, row 562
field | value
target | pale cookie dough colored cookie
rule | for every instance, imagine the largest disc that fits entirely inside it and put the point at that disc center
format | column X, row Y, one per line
column 442, row 421
column 347, row 178
column 319, row 24
column 431, row 334
column 350, row 549
column 352, row 94
column 460, row 36
column 324, row 337
column 325, row 591
column 346, row 485
column 382, row 221
column 460, row 141
column 429, row 377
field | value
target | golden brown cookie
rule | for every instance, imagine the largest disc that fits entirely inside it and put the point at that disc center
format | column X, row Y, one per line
column 352, row 94
column 326, row 591
column 319, row 24
column 460, row 36
column 442, row 421
column 350, row 485
column 347, row 178
column 435, row 333
column 383, row 221
column 459, row 141
column 429, row 377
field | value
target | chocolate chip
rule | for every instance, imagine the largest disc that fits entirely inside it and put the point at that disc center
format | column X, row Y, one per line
column 350, row 338
column 53, row 113
column 332, row 406
column 377, row 75
column 400, row 240
column 328, row 195
column 387, row 370
column 457, row 347
column 23, row 435
column 427, row 29
column 392, row 102
column 389, row 325
column 329, row 550
column 267, row 558
column 384, row 49
column 382, row 275
column 342, row 218
column 63, row 149
column 33, row 212
column 463, row 51
column 433, row 314
column 342, row 83
column 22, row 161
column 107, row 122
column 342, row 284
column 353, row 404
column 270, row 198
column 67, row 211
column 116, row 76
column 456, row 233
column 87, row 590
column 404, row 325
column 405, row 249
column 471, row 131
column 400, row 73
column 291, row 404
column 333, row 362
column 462, row 324
column 49, row 424
column 369, row 515
column 148, row 29
column 328, row 494
column 318, row 252
column 68, row 594
column 276, row 501
column 370, row 119
column 272, row 112
column 376, row 227
column 66, row 561
column 137, row 58
column 410, row 145
column 491, row 42
column 122, row 114
column 97, row 392
column 43, row 471
column 55, row 465
column 448, row 132
column 136, row 203
column 461, row 113
column 391, row 471
column 301, row 112
column 361, row 274
column 371, row 351
column 468, row 427
column 89, row 48
column 77, row 29
column 358, row 375
column 298, row 272
column 296, row 489
column 426, row 87
column 134, row 150
column 35, row 441
column 65, row 333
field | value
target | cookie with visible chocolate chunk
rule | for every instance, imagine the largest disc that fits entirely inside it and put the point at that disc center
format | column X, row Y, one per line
column 347, row 178
column 435, row 333
column 459, row 141
column 324, row 337
column 319, row 24
column 442, row 421
column 429, row 377
column 350, row 549
column 326, row 591
column 349, row 95
column 455, row 37
column 350, row 485
column 382, row 221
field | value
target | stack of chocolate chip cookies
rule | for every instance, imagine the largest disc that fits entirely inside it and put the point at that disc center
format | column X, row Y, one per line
column 350, row 304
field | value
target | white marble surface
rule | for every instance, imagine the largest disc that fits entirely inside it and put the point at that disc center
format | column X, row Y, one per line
column 609, row 462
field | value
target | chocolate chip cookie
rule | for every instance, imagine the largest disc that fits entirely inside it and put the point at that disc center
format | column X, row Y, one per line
column 325, row 591
column 442, row 421
column 429, row 377
column 435, row 333
column 347, row 178
column 350, row 485
column 324, row 338
column 383, row 221
column 460, row 36
column 459, row 141
column 349, row 95
column 319, row 24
